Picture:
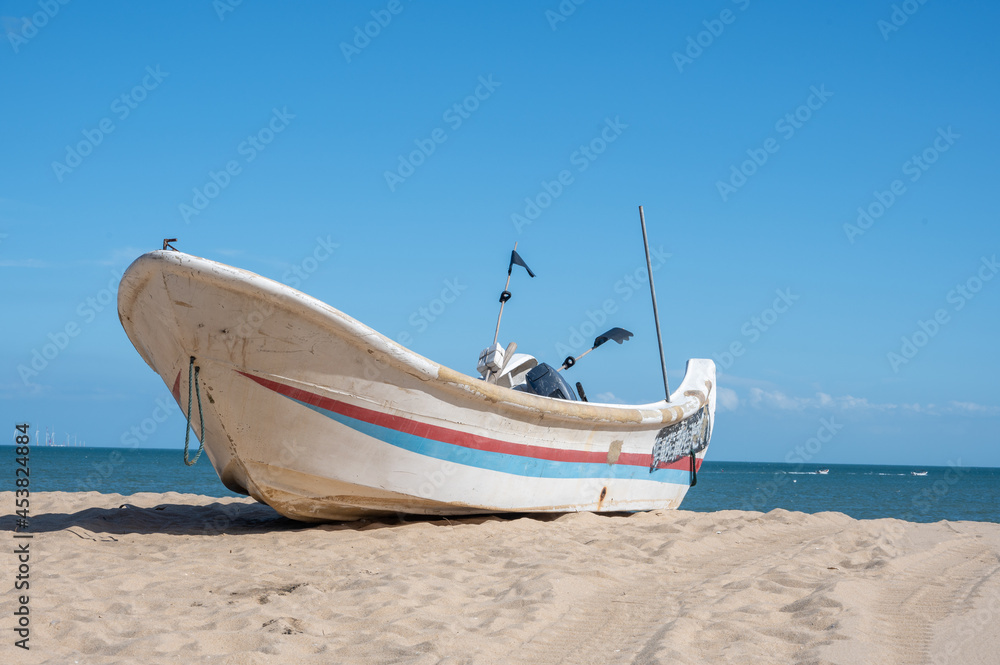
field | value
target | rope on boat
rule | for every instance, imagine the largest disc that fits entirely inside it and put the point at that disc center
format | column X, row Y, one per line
column 694, row 468
column 201, row 416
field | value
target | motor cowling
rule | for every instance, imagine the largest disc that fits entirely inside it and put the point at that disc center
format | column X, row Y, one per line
column 544, row 380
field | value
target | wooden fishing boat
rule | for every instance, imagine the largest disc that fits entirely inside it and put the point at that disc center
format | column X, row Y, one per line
column 319, row 416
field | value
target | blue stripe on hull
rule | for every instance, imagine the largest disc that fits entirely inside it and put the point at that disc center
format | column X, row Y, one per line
column 517, row 465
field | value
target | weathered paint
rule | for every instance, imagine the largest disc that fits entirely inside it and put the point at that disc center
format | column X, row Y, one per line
column 322, row 418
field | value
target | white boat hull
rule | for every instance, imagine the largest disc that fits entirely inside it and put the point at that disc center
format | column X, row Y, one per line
column 323, row 418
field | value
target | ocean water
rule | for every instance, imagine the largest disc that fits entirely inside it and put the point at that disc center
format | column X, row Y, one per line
column 861, row 491
column 114, row 471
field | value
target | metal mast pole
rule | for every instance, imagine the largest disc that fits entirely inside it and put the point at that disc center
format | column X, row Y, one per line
column 656, row 315
column 503, row 301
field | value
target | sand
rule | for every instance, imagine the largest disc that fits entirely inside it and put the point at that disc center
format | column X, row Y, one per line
column 175, row 578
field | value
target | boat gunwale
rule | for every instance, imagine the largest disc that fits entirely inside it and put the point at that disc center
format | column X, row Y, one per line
column 685, row 401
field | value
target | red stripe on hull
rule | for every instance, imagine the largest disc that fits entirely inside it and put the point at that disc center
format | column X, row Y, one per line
column 457, row 438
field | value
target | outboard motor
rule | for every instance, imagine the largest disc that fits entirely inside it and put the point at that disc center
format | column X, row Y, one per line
column 544, row 380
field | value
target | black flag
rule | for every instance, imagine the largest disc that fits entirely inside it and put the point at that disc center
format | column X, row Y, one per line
column 516, row 258
column 617, row 334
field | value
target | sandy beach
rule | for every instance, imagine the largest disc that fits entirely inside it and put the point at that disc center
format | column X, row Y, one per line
column 171, row 578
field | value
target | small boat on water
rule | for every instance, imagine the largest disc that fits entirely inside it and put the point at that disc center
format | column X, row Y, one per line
column 918, row 473
column 823, row 472
column 321, row 417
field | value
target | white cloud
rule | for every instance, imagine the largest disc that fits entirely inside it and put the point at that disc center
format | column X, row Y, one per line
column 23, row 263
column 728, row 400
column 119, row 257
column 777, row 400
column 968, row 408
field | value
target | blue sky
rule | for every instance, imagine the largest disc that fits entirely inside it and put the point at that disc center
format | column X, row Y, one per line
column 818, row 179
